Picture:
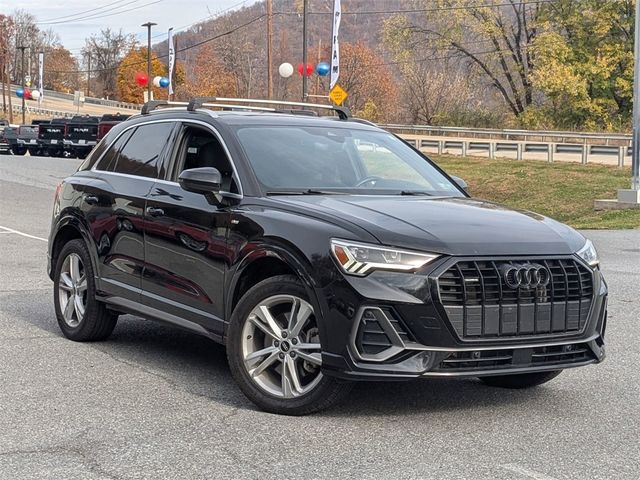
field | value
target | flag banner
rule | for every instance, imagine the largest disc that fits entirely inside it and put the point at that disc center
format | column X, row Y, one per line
column 41, row 75
column 335, row 45
column 172, row 59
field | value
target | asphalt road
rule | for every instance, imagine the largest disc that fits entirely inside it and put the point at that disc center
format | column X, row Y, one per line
column 155, row 402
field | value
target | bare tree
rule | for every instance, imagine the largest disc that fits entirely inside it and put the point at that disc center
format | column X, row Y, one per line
column 107, row 49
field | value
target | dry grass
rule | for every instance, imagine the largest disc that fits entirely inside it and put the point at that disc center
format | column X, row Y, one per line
column 563, row 191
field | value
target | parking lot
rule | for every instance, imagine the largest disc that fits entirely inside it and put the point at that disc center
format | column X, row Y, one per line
column 156, row 402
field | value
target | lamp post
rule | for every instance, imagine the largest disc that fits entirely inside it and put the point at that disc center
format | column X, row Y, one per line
column 148, row 25
column 22, row 49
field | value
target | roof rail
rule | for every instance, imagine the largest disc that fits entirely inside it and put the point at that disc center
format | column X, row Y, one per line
column 198, row 102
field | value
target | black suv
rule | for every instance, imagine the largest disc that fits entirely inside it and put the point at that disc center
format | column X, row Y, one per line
column 319, row 250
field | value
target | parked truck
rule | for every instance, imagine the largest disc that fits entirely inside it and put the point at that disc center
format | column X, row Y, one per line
column 51, row 137
column 81, row 135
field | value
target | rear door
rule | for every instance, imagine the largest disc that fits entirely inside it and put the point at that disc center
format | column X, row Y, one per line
column 114, row 204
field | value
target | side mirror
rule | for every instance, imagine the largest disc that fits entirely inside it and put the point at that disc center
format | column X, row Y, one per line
column 205, row 180
column 460, row 182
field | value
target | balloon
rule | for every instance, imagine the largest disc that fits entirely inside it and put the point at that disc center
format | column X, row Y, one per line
column 164, row 82
column 156, row 81
column 142, row 79
column 285, row 70
column 301, row 69
column 27, row 94
column 35, row 94
column 19, row 92
column 323, row 69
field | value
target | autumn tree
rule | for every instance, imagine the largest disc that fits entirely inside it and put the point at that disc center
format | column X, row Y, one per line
column 495, row 37
column 133, row 63
column 60, row 73
column 208, row 77
column 366, row 78
column 584, row 66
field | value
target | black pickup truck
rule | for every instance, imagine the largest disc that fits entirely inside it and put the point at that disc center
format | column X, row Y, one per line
column 5, row 148
column 27, row 138
column 108, row 121
column 51, row 137
column 81, row 135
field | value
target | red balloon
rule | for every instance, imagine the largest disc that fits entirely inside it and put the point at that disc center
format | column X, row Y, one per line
column 142, row 79
column 27, row 94
column 301, row 69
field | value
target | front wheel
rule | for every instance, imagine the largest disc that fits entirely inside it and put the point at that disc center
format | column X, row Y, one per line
column 274, row 350
column 522, row 380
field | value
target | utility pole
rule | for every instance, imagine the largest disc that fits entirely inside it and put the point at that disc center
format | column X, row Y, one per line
column 148, row 25
column 635, row 164
column 305, row 86
column 89, row 74
column 269, row 49
column 22, row 48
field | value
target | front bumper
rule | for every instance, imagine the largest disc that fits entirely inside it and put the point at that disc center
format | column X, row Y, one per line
column 422, row 342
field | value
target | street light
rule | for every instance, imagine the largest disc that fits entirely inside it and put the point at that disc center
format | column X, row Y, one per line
column 22, row 48
column 148, row 25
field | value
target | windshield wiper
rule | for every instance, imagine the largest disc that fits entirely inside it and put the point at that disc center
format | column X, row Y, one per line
column 415, row 193
column 309, row 191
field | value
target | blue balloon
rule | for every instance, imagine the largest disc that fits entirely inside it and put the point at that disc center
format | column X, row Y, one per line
column 19, row 92
column 164, row 82
column 323, row 69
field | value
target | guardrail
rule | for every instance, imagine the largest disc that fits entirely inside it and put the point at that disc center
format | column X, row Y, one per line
column 92, row 100
column 494, row 147
column 542, row 136
column 17, row 109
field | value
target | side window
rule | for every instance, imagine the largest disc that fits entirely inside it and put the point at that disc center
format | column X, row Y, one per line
column 108, row 161
column 201, row 148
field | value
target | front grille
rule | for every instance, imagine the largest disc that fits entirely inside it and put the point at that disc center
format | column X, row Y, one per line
column 484, row 360
column 480, row 304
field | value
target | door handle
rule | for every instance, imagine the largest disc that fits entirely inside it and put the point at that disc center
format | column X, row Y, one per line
column 155, row 212
column 91, row 200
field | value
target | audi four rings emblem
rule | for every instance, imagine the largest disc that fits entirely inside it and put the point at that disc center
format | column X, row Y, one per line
column 526, row 275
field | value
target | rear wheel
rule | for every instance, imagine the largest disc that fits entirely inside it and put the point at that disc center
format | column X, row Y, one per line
column 80, row 316
column 523, row 380
column 19, row 151
column 274, row 350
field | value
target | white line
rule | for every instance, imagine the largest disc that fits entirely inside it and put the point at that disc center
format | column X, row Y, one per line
column 526, row 472
column 11, row 230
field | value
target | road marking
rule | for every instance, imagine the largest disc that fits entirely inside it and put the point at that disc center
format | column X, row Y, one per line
column 11, row 230
column 526, row 472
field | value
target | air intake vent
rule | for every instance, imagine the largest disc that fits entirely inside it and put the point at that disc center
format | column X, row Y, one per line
column 380, row 334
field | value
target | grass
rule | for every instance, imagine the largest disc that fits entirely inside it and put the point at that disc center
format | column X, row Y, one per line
column 562, row 191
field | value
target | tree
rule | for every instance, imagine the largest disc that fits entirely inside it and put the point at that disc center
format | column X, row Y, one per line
column 584, row 65
column 6, row 31
column 366, row 78
column 208, row 77
column 495, row 37
column 133, row 63
column 60, row 72
column 107, row 49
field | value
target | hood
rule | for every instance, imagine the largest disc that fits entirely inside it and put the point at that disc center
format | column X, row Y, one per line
column 453, row 226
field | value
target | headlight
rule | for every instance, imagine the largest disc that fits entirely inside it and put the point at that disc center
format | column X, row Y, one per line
column 360, row 259
column 589, row 254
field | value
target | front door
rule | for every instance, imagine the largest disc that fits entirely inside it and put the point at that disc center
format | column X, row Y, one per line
column 186, row 253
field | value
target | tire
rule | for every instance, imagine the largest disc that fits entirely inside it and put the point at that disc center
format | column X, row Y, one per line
column 294, row 351
column 85, row 320
column 523, row 380
column 19, row 151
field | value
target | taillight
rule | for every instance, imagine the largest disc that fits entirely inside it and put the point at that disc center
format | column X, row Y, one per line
column 57, row 194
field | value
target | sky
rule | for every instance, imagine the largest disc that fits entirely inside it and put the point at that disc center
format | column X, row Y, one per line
column 75, row 25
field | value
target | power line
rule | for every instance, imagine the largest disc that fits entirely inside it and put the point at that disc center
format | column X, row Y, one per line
column 80, row 13
column 101, row 14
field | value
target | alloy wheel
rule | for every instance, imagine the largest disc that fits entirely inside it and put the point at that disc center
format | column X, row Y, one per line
column 281, row 346
column 72, row 290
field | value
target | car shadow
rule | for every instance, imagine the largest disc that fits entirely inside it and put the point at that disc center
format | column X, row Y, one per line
column 198, row 366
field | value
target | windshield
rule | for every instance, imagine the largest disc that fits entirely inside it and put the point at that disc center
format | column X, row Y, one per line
column 301, row 159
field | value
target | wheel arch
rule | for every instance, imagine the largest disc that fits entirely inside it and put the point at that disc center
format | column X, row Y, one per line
column 265, row 262
column 70, row 228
